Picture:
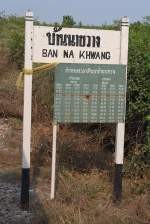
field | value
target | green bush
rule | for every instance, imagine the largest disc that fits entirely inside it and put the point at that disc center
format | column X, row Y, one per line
column 16, row 46
column 138, row 94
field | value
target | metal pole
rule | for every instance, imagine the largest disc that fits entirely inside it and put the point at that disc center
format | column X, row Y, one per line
column 25, row 181
column 53, row 174
column 119, row 154
column 120, row 129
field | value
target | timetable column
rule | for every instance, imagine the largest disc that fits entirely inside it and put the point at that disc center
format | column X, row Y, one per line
column 103, row 101
column 121, row 99
column 94, row 101
column 67, row 101
column 58, row 100
column 112, row 99
column 76, row 102
column 85, row 103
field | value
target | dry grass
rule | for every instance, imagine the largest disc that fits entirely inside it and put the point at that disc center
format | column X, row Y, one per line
column 86, row 198
column 84, row 182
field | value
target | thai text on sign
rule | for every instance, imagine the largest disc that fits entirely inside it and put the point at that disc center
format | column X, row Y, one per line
column 73, row 45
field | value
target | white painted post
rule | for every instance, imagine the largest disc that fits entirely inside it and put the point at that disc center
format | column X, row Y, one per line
column 120, row 129
column 53, row 174
column 27, row 111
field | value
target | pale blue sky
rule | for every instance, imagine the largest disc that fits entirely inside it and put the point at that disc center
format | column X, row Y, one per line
column 87, row 11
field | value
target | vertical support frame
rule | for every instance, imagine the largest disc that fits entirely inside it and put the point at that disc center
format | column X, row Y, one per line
column 120, row 128
column 25, row 183
column 53, row 172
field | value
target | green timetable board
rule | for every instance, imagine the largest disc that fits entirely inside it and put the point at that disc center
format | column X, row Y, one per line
column 86, row 93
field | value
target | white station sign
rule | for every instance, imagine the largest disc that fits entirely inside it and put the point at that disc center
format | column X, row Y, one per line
column 74, row 45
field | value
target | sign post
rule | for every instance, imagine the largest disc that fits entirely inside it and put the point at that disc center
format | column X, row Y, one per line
column 53, row 161
column 25, row 184
column 120, row 132
column 90, row 85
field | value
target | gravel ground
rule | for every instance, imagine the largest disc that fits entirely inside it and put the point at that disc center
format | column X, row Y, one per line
column 10, row 212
